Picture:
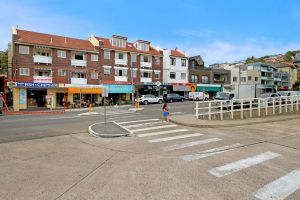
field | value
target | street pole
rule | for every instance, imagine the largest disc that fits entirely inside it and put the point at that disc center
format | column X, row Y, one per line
column 132, row 87
column 239, row 83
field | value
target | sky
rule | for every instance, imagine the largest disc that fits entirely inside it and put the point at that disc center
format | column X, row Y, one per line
column 218, row 30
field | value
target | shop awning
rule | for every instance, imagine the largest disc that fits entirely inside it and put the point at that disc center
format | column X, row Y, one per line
column 85, row 90
column 208, row 88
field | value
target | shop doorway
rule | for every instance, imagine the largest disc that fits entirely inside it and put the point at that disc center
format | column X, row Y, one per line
column 36, row 98
column 60, row 99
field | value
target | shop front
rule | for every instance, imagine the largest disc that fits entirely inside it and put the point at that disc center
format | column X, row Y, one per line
column 211, row 89
column 182, row 89
column 119, row 93
column 155, row 88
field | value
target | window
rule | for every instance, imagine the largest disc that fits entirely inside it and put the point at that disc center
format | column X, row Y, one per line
column 173, row 61
column 234, row 79
column 23, row 50
column 118, row 42
column 249, row 78
column 106, row 71
column 133, row 73
column 193, row 64
column 256, row 79
column 94, row 57
column 194, row 78
column 243, row 79
column 62, row 72
column 183, row 76
column 183, row 62
column 42, row 53
column 78, row 75
column 145, row 59
column 24, row 71
column 133, row 57
column 120, row 72
column 156, row 75
column 107, row 55
column 61, row 54
column 172, row 75
column 120, row 55
column 146, row 74
column 94, row 75
column 204, row 79
column 142, row 46
column 157, row 60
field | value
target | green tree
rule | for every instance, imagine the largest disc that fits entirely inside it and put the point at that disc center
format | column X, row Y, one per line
column 3, row 61
column 288, row 56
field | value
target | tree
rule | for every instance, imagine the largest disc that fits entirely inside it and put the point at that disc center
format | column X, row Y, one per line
column 288, row 56
column 252, row 59
column 3, row 62
column 296, row 85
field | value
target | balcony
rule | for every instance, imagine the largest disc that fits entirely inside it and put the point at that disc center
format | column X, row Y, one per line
column 120, row 61
column 80, row 81
column 42, row 79
column 42, row 59
column 146, row 64
column 277, row 79
column 121, row 78
column 80, row 63
column 146, row 80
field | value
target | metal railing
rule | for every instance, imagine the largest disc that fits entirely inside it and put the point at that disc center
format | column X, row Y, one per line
column 246, row 108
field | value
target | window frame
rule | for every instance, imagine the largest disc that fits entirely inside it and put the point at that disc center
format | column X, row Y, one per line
column 204, row 79
column 60, row 74
column 106, row 71
column 24, row 74
column 60, row 54
column 183, row 62
column 94, row 57
column 173, row 73
column 107, row 55
column 22, row 48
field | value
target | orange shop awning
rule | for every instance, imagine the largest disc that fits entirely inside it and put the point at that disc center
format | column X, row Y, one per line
column 85, row 90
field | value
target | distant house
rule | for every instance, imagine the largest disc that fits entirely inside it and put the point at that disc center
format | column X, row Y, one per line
column 290, row 69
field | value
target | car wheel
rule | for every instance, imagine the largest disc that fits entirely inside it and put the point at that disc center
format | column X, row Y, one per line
column 206, row 99
column 197, row 99
column 171, row 100
column 145, row 102
column 160, row 101
column 182, row 100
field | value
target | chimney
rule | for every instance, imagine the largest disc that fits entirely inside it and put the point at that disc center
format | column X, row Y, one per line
column 65, row 40
column 51, row 41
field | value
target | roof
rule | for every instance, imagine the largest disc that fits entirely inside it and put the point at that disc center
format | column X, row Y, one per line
column 198, row 59
column 282, row 64
column 36, row 38
column 177, row 53
column 129, row 47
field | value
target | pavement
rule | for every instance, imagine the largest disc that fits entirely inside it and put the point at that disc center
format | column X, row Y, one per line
column 190, row 120
column 161, row 161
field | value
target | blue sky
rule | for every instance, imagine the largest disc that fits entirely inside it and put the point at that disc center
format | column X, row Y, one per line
column 218, row 30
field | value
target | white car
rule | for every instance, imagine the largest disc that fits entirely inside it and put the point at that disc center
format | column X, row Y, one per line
column 198, row 96
column 149, row 98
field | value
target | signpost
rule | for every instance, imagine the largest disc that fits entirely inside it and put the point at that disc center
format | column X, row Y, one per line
column 104, row 95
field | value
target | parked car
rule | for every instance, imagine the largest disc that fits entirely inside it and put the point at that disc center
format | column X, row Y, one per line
column 172, row 97
column 268, row 98
column 288, row 95
column 149, row 98
column 224, row 96
column 198, row 96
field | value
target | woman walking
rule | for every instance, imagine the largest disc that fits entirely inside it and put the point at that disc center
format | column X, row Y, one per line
column 165, row 112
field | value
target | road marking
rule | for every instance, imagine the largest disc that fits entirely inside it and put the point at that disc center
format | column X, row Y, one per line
column 210, row 152
column 162, row 132
column 175, row 137
column 190, row 144
column 65, row 117
column 142, row 124
column 280, row 188
column 242, row 164
column 153, row 128
column 144, row 120
column 117, row 117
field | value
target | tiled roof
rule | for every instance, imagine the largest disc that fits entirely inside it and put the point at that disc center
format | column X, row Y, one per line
column 176, row 53
column 129, row 47
column 53, row 40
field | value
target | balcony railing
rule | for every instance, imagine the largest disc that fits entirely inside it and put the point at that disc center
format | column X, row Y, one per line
column 121, row 78
column 146, row 64
column 42, row 59
column 80, row 63
column 42, row 79
column 78, row 81
column 146, row 80
column 120, row 61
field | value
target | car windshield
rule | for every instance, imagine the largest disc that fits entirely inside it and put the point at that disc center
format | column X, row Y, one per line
column 222, row 95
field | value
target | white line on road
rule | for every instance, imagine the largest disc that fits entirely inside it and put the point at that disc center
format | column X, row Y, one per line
column 142, row 124
column 162, row 132
column 190, row 144
column 175, row 137
column 144, row 120
column 65, row 117
column 210, row 152
column 153, row 128
column 117, row 117
column 242, row 164
column 280, row 188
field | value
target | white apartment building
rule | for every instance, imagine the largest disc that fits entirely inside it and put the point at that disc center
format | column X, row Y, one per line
column 175, row 66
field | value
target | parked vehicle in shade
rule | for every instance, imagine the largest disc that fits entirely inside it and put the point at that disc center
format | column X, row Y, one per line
column 149, row 98
column 172, row 97
column 269, row 98
column 198, row 96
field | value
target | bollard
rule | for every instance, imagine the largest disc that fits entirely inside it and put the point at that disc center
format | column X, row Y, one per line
column 90, row 107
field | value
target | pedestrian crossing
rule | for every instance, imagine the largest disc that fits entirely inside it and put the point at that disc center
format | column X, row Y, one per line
column 173, row 138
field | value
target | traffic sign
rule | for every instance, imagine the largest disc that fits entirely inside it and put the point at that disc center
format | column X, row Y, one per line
column 193, row 88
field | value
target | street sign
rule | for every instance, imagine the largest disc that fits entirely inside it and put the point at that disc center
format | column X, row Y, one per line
column 105, row 92
column 157, row 83
column 193, row 88
column 11, row 84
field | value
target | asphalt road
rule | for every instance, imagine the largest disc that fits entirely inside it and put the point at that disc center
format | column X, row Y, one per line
column 161, row 161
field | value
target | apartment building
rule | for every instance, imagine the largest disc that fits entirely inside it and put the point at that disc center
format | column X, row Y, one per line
column 290, row 69
column 175, row 67
column 48, row 67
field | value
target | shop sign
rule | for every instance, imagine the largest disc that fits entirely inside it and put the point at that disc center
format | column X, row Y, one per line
column 181, row 88
column 155, row 83
column 38, row 85
column 11, row 84
column 120, row 88
column 40, row 79
column 85, row 90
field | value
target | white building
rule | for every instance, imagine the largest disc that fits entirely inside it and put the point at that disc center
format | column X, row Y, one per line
column 175, row 66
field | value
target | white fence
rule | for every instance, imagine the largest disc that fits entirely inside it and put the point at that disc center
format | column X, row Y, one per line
column 246, row 108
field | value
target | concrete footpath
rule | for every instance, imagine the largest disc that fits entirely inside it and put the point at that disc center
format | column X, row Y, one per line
column 190, row 120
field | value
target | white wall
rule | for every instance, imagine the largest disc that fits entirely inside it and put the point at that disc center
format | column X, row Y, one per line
column 178, row 69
